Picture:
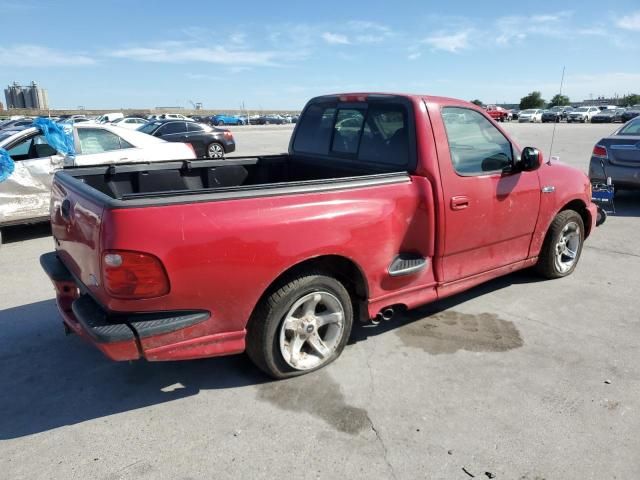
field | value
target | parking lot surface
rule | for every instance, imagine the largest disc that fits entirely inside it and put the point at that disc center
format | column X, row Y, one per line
column 518, row 378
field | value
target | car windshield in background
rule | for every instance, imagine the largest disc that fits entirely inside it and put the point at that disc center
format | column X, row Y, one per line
column 528, row 112
column 149, row 127
column 582, row 109
column 7, row 134
column 631, row 128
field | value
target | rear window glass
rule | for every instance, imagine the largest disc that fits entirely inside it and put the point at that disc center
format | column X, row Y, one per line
column 631, row 128
column 149, row 127
column 376, row 134
column 347, row 131
column 314, row 131
column 385, row 136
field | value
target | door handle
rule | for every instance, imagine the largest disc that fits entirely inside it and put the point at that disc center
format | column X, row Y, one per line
column 459, row 202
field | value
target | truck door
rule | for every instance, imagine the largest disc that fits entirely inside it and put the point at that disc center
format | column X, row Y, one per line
column 490, row 208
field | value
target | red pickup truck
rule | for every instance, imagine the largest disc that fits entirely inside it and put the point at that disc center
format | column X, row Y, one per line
column 382, row 202
column 499, row 114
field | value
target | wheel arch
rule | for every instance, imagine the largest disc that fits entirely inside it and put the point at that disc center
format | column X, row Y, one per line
column 580, row 207
column 340, row 267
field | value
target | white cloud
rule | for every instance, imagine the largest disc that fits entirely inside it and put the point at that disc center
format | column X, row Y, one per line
column 630, row 22
column 414, row 55
column 335, row 38
column 186, row 52
column 453, row 42
column 39, row 56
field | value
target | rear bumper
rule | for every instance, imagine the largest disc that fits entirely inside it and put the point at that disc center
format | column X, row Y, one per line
column 622, row 176
column 157, row 336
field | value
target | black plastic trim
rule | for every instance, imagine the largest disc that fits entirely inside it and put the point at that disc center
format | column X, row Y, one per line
column 107, row 327
column 96, row 322
column 54, row 268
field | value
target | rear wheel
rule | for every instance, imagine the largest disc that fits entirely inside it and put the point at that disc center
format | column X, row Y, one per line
column 300, row 327
column 562, row 246
column 215, row 150
column 220, row 122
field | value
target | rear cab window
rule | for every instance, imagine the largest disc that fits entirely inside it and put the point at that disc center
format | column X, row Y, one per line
column 376, row 133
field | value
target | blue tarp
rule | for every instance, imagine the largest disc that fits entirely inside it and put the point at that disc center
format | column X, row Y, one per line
column 6, row 165
column 56, row 135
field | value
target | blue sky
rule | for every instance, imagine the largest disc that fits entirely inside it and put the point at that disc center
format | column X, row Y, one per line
column 277, row 54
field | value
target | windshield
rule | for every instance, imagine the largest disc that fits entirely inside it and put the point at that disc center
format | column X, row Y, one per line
column 582, row 109
column 6, row 134
column 149, row 127
column 528, row 112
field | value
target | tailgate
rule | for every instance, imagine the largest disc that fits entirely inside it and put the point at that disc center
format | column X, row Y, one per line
column 76, row 220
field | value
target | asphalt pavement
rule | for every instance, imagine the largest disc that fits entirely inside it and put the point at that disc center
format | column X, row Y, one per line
column 518, row 378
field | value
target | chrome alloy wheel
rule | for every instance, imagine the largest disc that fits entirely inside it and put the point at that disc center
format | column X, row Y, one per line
column 567, row 248
column 312, row 330
column 215, row 150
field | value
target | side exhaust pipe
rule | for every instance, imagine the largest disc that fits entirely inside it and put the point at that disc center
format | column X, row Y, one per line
column 385, row 314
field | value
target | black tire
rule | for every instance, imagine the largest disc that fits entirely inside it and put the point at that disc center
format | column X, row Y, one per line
column 547, row 265
column 263, row 329
column 220, row 122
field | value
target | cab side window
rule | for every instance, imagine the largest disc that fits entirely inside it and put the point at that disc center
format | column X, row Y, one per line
column 477, row 147
column 35, row 146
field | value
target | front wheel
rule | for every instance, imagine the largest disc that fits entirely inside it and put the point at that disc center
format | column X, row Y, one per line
column 301, row 326
column 215, row 150
column 562, row 246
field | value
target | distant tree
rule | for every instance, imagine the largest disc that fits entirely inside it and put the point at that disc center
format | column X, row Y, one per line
column 477, row 102
column 559, row 101
column 533, row 100
column 631, row 99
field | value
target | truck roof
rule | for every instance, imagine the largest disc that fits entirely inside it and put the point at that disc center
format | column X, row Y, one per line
column 362, row 96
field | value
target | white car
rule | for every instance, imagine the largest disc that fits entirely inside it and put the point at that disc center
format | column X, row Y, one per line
column 24, row 195
column 531, row 115
column 132, row 123
column 582, row 114
column 170, row 116
column 109, row 117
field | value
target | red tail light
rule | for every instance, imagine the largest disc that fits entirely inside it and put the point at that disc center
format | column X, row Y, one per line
column 600, row 151
column 136, row 275
column 192, row 149
column 228, row 135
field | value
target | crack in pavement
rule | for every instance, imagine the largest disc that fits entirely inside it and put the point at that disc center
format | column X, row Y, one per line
column 600, row 249
column 384, row 447
column 371, row 424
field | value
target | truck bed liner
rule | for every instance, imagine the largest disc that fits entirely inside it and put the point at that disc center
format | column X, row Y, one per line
column 240, row 177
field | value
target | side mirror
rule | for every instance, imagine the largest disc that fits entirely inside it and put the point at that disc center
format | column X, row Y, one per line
column 530, row 159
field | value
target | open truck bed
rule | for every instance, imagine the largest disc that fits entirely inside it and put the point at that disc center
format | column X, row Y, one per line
column 119, row 186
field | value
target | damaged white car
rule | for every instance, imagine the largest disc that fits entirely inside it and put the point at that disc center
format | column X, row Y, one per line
column 25, row 192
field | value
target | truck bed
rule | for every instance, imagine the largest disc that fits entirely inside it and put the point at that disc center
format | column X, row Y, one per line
column 166, row 182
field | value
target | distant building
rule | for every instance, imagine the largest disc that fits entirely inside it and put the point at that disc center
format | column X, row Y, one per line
column 1, row 107
column 31, row 96
column 601, row 101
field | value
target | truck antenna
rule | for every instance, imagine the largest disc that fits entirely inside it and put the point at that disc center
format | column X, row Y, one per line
column 555, row 124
